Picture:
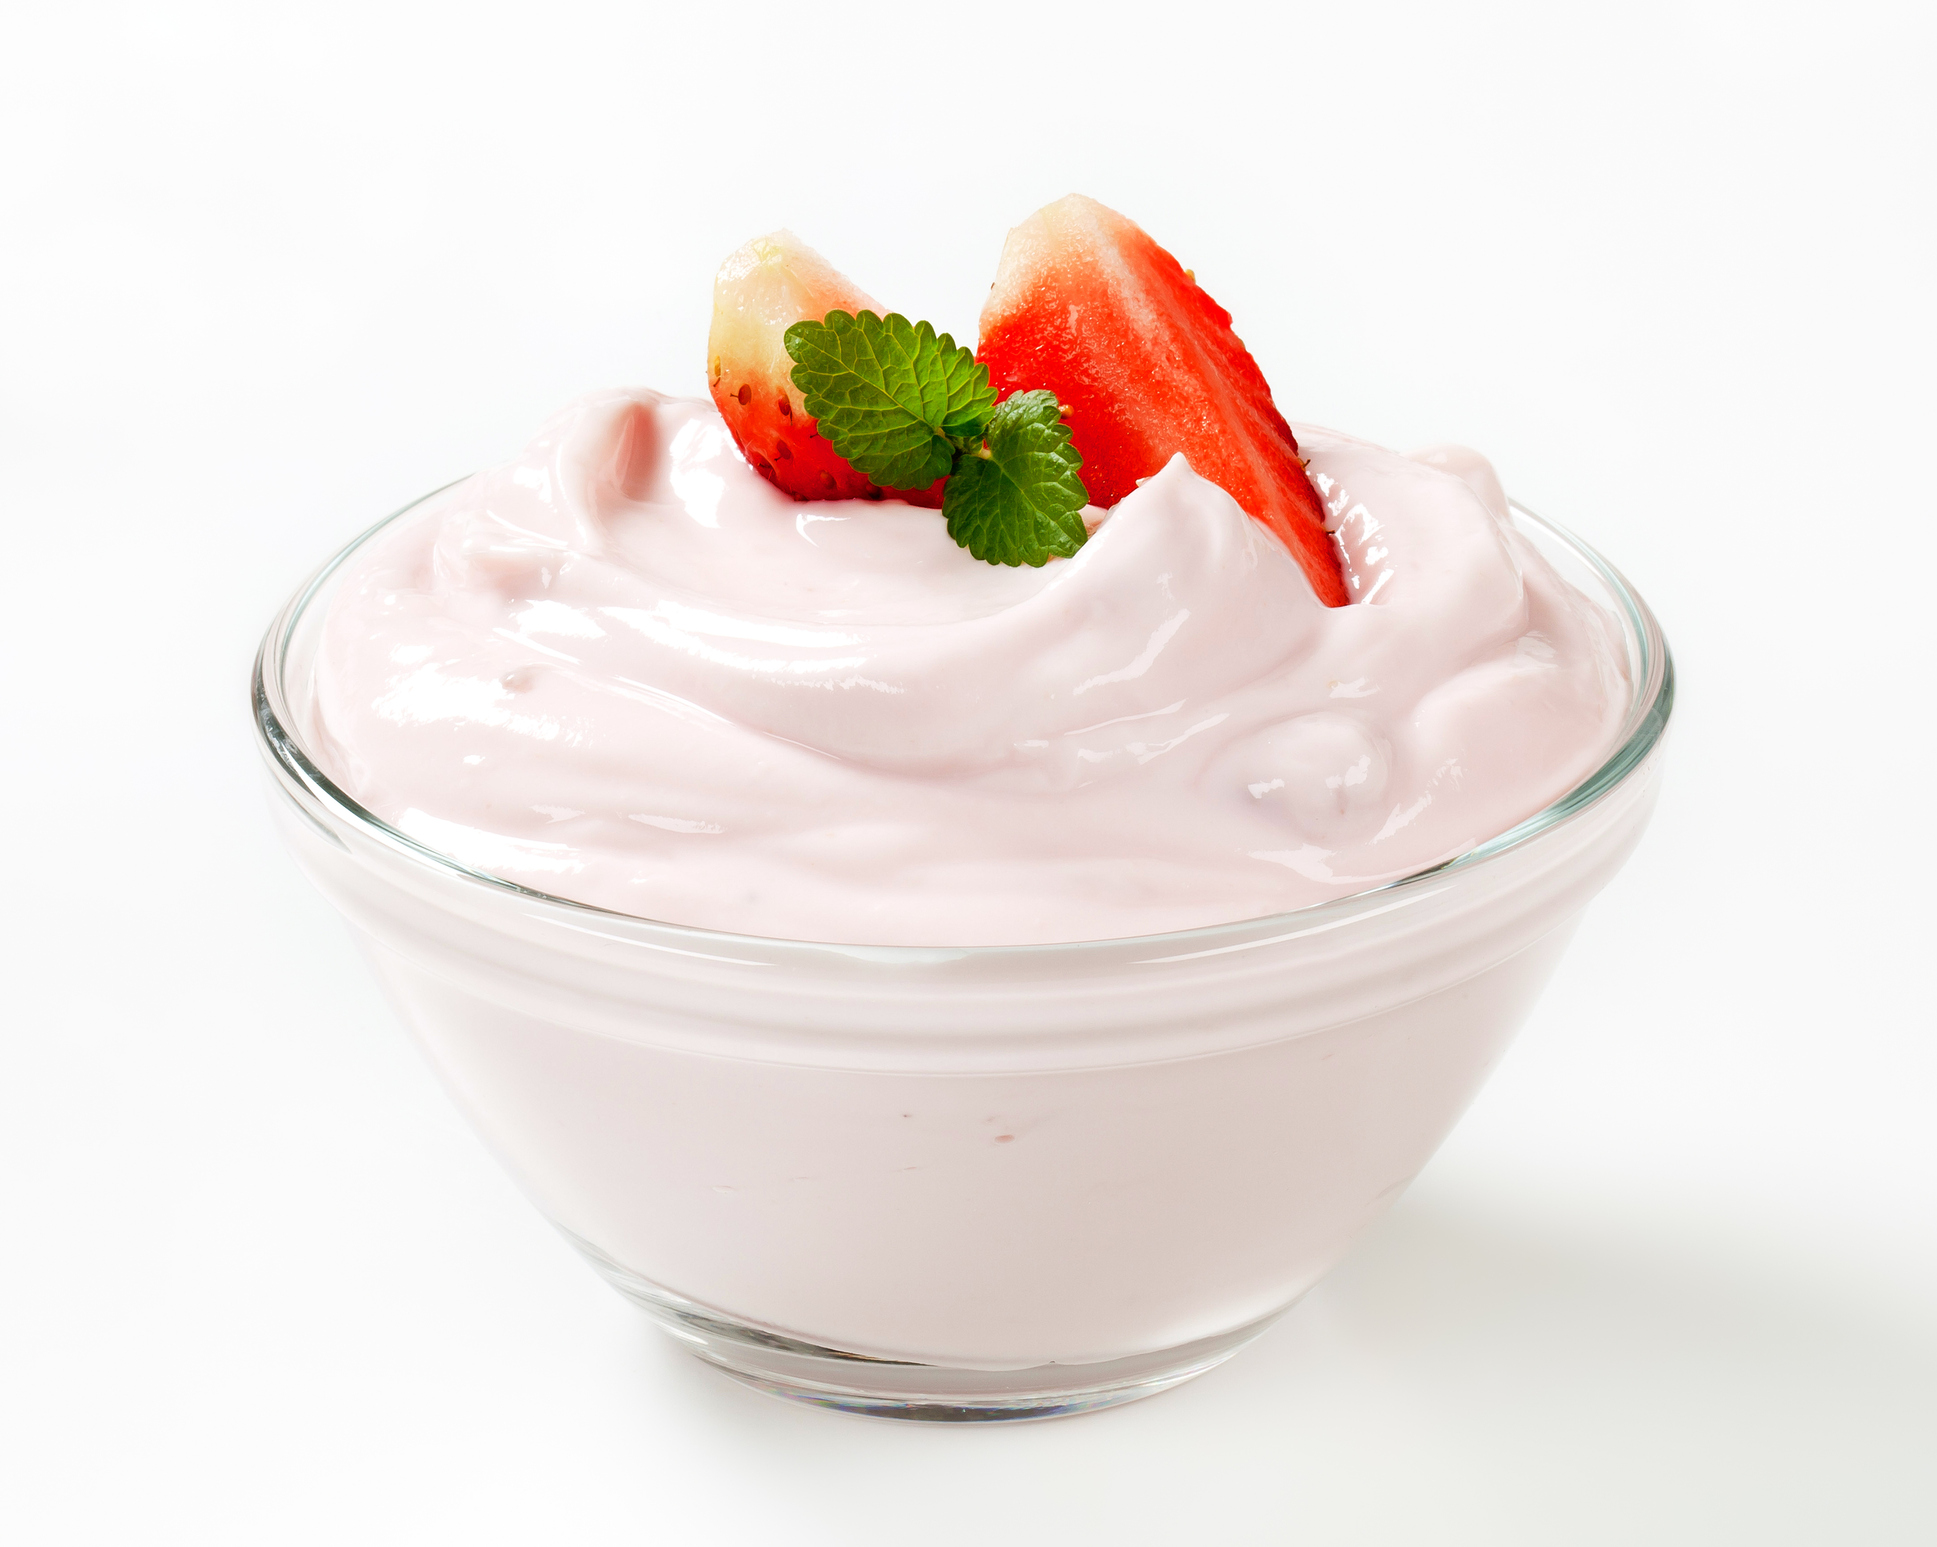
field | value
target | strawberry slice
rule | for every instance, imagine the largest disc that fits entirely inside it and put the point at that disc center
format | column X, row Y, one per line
column 761, row 291
column 1090, row 307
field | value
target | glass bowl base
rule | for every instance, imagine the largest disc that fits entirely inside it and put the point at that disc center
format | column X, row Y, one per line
column 802, row 1371
column 1052, row 1391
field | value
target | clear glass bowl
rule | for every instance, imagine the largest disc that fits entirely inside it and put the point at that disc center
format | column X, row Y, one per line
column 990, row 1183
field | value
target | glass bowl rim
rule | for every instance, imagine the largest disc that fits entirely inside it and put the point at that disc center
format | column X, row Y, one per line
column 1650, row 706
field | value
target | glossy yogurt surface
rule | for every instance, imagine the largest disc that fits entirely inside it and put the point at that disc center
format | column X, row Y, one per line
column 626, row 670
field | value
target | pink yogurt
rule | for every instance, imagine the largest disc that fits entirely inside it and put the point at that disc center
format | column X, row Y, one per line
column 625, row 670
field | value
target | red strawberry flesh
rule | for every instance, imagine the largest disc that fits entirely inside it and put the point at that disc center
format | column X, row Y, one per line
column 1087, row 305
column 761, row 291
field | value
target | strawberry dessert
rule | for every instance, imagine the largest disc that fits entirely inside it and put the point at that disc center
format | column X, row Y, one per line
column 673, row 775
column 1068, row 636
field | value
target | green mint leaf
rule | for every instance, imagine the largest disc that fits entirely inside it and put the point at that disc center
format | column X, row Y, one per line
column 892, row 397
column 1020, row 501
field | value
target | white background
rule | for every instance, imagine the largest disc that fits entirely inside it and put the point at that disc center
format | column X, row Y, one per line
column 267, row 275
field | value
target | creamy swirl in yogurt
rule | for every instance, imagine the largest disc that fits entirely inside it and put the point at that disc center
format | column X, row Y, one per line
column 626, row 670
